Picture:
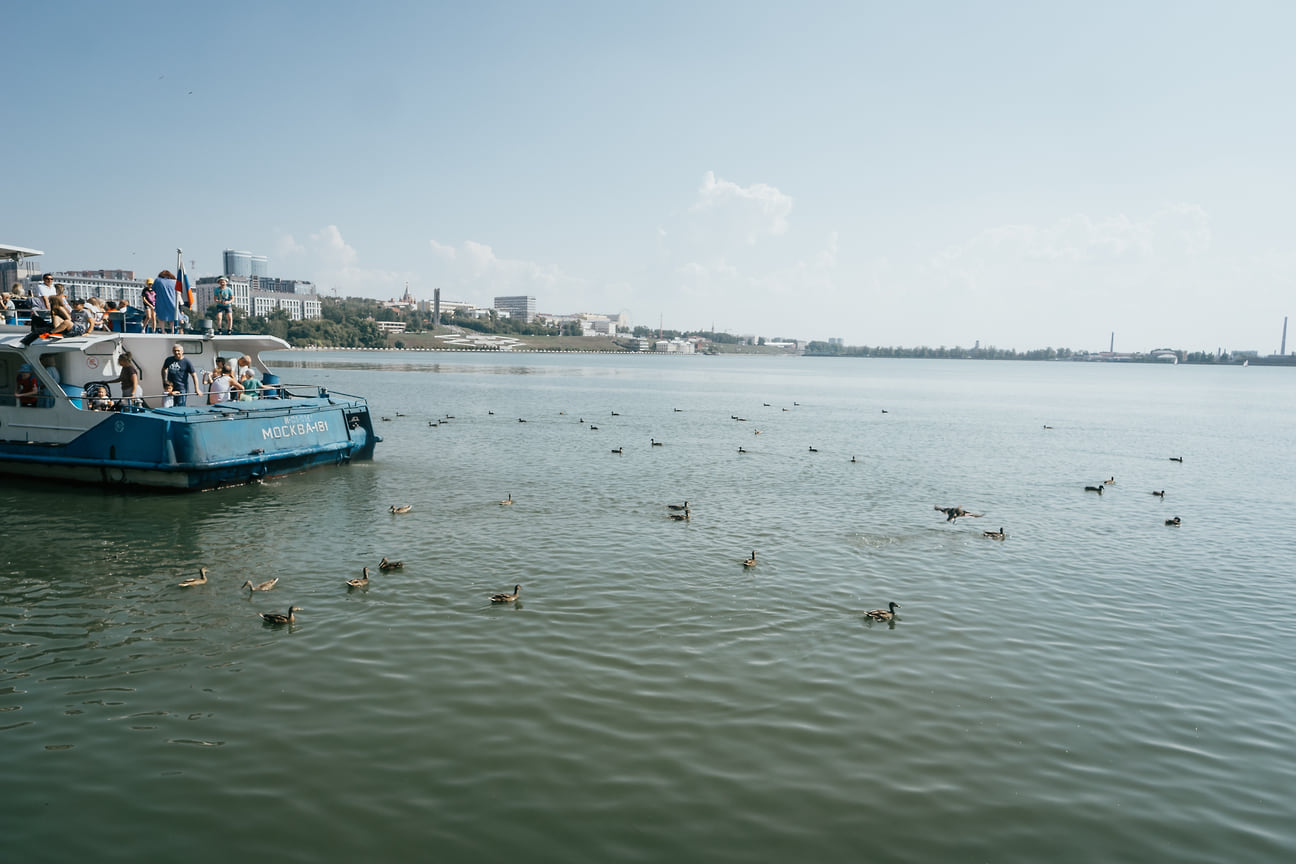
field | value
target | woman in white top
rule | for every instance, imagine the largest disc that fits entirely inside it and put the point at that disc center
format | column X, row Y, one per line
column 222, row 383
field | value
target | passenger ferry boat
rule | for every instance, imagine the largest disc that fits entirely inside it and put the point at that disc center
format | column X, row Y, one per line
column 63, row 433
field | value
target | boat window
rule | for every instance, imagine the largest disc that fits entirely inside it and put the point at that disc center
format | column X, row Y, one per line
column 8, row 378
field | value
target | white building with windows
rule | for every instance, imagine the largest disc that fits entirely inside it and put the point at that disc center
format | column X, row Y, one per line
column 519, row 307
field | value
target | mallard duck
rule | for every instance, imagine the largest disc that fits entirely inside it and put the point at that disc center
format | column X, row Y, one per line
column 683, row 506
column 401, row 508
column 506, row 598
column 751, row 562
column 385, row 565
column 359, row 581
column 680, row 517
column 1097, row 489
column 887, row 614
column 654, row 442
column 279, row 617
column 261, row 586
column 995, row 535
column 1174, row 521
column 200, row 579
column 1160, row 494
column 507, row 501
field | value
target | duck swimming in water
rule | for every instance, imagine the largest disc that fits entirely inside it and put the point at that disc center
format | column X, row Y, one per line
column 1176, row 459
column 751, row 562
column 1109, row 481
column 683, row 506
column 386, row 565
column 1097, row 489
column 1174, row 522
column 507, row 501
column 200, row 579
column 680, row 517
column 279, row 617
column 506, row 598
column 262, row 586
column 1160, row 494
column 887, row 614
column 995, row 535
column 359, row 581
column 401, row 508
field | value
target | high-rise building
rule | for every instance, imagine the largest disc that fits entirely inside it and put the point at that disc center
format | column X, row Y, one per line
column 520, row 308
column 245, row 264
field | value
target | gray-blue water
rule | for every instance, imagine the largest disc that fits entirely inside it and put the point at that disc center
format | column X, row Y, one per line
column 1096, row 687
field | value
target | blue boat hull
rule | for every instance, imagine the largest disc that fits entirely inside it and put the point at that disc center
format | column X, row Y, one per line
column 202, row 447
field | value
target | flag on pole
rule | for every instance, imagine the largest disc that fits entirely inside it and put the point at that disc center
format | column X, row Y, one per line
column 184, row 294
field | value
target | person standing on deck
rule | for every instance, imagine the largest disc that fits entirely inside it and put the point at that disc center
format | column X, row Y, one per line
column 164, row 292
column 177, row 371
column 224, row 305
column 149, row 298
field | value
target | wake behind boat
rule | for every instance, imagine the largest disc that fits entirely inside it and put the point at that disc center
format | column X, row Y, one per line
column 51, row 428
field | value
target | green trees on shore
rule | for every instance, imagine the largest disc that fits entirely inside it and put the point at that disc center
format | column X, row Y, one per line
column 943, row 352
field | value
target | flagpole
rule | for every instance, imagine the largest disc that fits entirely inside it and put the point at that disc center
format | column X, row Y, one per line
column 179, row 288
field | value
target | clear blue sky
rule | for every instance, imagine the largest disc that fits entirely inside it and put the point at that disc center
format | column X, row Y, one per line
column 1023, row 174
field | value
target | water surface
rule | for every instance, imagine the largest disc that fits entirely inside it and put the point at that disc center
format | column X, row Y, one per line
column 1096, row 687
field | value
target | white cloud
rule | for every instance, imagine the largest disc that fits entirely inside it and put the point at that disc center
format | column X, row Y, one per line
column 447, row 252
column 286, row 246
column 474, row 273
column 725, row 210
column 1069, row 282
column 332, row 264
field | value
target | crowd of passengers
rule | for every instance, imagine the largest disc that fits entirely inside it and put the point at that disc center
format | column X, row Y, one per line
column 67, row 318
column 224, row 382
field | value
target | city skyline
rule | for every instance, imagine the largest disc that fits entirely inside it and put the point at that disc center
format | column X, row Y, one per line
column 1023, row 177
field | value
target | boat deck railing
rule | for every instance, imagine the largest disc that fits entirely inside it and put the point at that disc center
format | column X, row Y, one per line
column 282, row 395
